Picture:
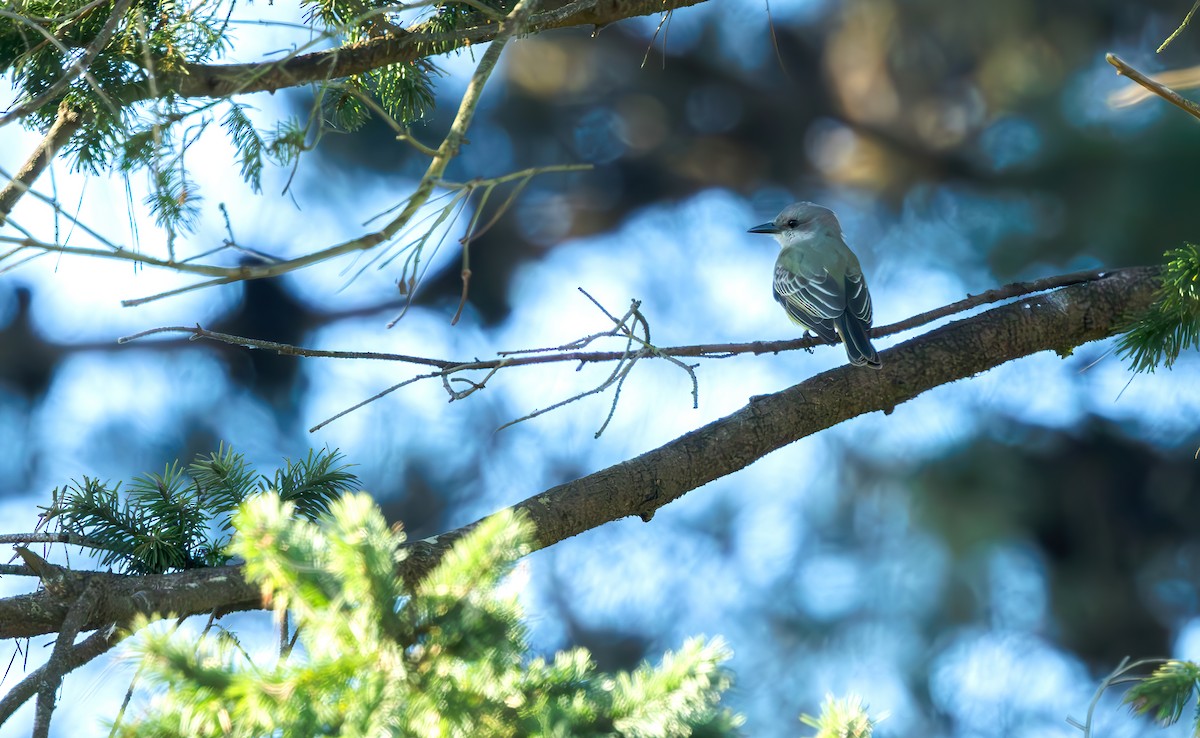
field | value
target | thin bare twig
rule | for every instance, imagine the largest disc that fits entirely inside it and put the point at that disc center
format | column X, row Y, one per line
column 68, row 538
column 451, row 144
column 570, row 352
column 1117, row 676
column 286, row 349
column 473, row 386
column 617, row 372
column 465, row 243
column 1186, row 20
column 474, row 231
column 775, row 43
column 1185, row 78
column 466, row 283
column 662, row 23
column 412, row 275
column 54, row 205
column 625, row 358
column 1157, row 88
column 625, row 363
column 94, row 645
column 134, row 302
column 1014, row 289
column 647, row 349
column 622, row 372
column 269, row 267
column 137, row 675
column 373, row 398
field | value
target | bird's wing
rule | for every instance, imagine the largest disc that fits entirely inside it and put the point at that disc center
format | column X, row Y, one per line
column 858, row 299
column 812, row 300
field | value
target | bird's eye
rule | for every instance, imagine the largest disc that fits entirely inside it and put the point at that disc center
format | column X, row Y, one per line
column 793, row 223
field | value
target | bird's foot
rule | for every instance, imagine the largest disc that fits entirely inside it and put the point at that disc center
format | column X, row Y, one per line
column 807, row 335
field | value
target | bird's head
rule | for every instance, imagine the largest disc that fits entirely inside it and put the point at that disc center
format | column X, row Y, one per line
column 799, row 222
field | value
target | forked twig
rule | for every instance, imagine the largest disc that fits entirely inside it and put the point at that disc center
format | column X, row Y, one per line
column 77, row 655
column 624, row 327
column 1117, row 676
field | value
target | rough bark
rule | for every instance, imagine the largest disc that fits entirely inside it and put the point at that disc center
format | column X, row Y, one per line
column 223, row 80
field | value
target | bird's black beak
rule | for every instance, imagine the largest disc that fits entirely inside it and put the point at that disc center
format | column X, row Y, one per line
column 764, row 228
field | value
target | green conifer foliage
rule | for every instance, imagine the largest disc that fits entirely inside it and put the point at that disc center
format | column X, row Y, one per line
column 374, row 657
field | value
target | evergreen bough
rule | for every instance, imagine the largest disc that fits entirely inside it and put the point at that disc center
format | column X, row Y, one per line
column 114, row 64
column 183, row 519
column 447, row 657
column 1172, row 325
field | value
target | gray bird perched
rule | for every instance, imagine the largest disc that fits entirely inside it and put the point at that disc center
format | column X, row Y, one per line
column 818, row 279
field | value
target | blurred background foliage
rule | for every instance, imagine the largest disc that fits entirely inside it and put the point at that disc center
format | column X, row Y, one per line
column 971, row 563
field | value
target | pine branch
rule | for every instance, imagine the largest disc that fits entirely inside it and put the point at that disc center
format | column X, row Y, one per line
column 171, row 77
column 387, row 659
column 314, row 483
column 177, row 520
column 78, row 68
column 1058, row 321
column 1163, row 695
column 224, row 80
column 514, row 23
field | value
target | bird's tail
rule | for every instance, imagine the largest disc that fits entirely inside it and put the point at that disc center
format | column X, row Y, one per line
column 858, row 344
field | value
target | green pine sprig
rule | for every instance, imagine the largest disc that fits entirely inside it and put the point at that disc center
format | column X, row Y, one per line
column 1172, row 324
column 183, row 518
column 131, row 122
column 846, row 717
column 151, row 40
column 313, row 483
column 1163, row 695
column 249, row 145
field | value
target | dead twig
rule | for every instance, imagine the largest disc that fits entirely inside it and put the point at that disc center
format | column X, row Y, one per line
column 626, row 358
column 572, row 351
column 1150, row 84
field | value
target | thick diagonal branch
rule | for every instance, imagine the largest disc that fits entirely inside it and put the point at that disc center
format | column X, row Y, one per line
column 1056, row 321
column 65, row 125
column 223, row 80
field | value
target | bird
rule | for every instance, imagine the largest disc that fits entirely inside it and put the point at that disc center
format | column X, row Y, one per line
column 819, row 281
